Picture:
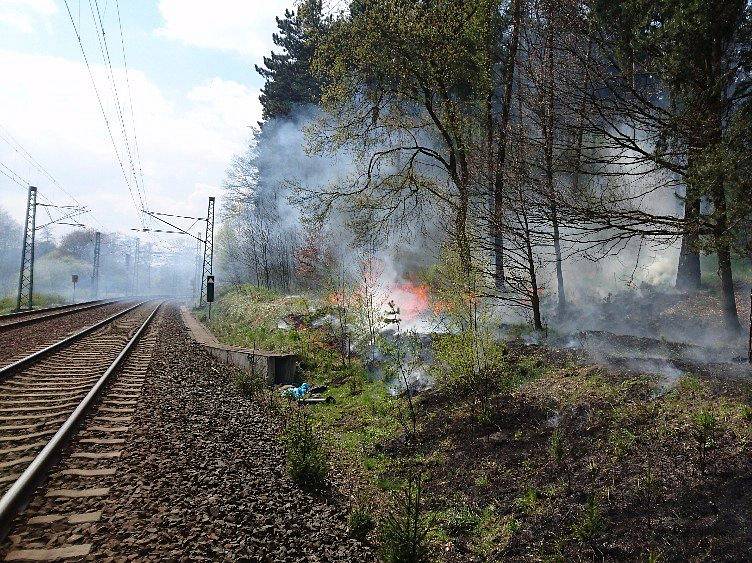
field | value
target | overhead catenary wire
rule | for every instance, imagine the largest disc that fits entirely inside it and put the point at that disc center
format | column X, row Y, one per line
column 11, row 141
column 107, row 60
column 104, row 113
column 130, row 104
column 14, row 144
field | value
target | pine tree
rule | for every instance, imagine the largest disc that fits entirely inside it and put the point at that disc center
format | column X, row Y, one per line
column 289, row 81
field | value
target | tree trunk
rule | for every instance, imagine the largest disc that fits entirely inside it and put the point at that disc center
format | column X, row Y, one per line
column 561, row 307
column 723, row 249
column 497, row 231
column 463, row 244
column 534, row 297
column 688, row 273
column 549, row 165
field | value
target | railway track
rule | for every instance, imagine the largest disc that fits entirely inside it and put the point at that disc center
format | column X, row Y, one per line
column 81, row 390
column 17, row 342
column 23, row 318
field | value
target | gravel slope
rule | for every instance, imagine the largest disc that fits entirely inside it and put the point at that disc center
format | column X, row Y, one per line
column 202, row 476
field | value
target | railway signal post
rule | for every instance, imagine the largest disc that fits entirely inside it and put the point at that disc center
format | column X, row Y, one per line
column 74, row 279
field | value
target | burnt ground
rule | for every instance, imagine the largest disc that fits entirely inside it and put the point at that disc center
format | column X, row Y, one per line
column 665, row 314
column 642, row 471
column 203, row 475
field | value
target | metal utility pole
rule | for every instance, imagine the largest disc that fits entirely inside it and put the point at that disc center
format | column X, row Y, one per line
column 204, row 269
column 26, row 276
column 207, row 269
column 135, row 267
column 95, row 268
column 148, row 268
column 196, row 282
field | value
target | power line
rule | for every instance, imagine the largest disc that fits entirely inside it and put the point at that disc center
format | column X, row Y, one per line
column 130, row 103
column 104, row 113
column 14, row 144
column 13, row 176
column 104, row 50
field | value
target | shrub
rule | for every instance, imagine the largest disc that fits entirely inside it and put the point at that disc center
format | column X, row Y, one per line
column 591, row 524
column 706, row 424
column 556, row 447
column 249, row 384
column 404, row 532
column 307, row 461
column 361, row 522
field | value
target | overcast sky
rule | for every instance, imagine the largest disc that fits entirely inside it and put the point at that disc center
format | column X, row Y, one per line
column 194, row 96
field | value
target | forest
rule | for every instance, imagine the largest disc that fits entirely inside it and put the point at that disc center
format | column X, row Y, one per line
column 514, row 239
column 527, row 142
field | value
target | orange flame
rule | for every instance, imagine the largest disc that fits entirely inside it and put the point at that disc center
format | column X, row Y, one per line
column 413, row 299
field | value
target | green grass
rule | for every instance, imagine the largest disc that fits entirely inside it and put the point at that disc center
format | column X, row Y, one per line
column 363, row 413
column 41, row 300
column 356, row 422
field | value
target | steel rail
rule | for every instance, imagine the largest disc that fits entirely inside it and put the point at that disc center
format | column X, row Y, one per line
column 16, row 314
column 53, row 314
column 15, row 497
column 31, row 358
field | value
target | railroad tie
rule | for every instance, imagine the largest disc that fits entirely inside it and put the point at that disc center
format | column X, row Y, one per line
column 78, row 493
column 83, row 518
column 89, row 472
column 97, row 455
column 116, row 410
column 54, row 554
column 39, row 399
column 114, row 429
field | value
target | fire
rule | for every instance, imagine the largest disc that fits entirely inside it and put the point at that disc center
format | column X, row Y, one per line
column 413, row 299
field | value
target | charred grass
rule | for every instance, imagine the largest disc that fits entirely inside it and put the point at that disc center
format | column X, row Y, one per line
column 583, row 463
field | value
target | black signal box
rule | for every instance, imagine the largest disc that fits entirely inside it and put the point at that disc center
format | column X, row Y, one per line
column 210, row 289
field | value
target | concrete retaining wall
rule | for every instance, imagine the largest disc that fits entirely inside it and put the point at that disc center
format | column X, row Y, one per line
column 275, row 368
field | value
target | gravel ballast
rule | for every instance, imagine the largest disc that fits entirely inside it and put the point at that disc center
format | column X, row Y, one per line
column 17, row 342
column 202, row 475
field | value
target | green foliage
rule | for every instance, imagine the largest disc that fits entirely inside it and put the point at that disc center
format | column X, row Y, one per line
column 746, row 412
column 621, row 441
column 591, row 525
column 690, row 384
column 705, row 426
column 289, row 81
column 459, row 519
column 404, row 531
column 307, row 461
column 494, row 532
column 556, row 447
column 249, row 383
column 489, row 531
column 41, row 300
column 528, row 501
column 361, row 522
